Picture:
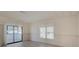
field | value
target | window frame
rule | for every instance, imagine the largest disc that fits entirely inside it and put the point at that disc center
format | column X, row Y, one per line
column 46, row 32
column 41, row 32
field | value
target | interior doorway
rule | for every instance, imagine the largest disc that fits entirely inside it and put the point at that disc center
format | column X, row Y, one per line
column 14, row 34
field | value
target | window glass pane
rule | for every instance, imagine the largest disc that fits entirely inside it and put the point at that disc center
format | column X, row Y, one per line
column 42, row 32
column 42, row 35
column 10, row 29
column 15, row 29
column 42, row 29
column 50, row 35
column 19, row 30
column 50, row 29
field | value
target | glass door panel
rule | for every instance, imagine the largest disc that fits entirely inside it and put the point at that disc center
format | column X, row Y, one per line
column 20, row 33
column 17, row 33
column 9, row 34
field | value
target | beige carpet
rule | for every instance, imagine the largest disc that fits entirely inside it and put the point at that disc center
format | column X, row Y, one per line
column 30, row 44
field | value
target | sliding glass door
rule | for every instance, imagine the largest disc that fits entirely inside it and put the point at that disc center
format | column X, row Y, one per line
column 13, row 34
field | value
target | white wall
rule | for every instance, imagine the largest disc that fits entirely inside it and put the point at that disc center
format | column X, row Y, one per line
column 66, row 26
column 1, row 34
column 77, row 30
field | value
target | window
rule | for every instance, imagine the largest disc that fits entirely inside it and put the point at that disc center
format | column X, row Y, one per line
column 50, row 33
column 47, row 32
column 43, row 32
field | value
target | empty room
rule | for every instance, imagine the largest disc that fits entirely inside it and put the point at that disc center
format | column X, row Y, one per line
column 39, row 28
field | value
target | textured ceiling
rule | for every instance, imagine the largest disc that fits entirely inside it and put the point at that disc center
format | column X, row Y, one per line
column 31, row 16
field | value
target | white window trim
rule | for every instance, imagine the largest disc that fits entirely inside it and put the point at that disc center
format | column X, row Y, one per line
column 47, row 33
